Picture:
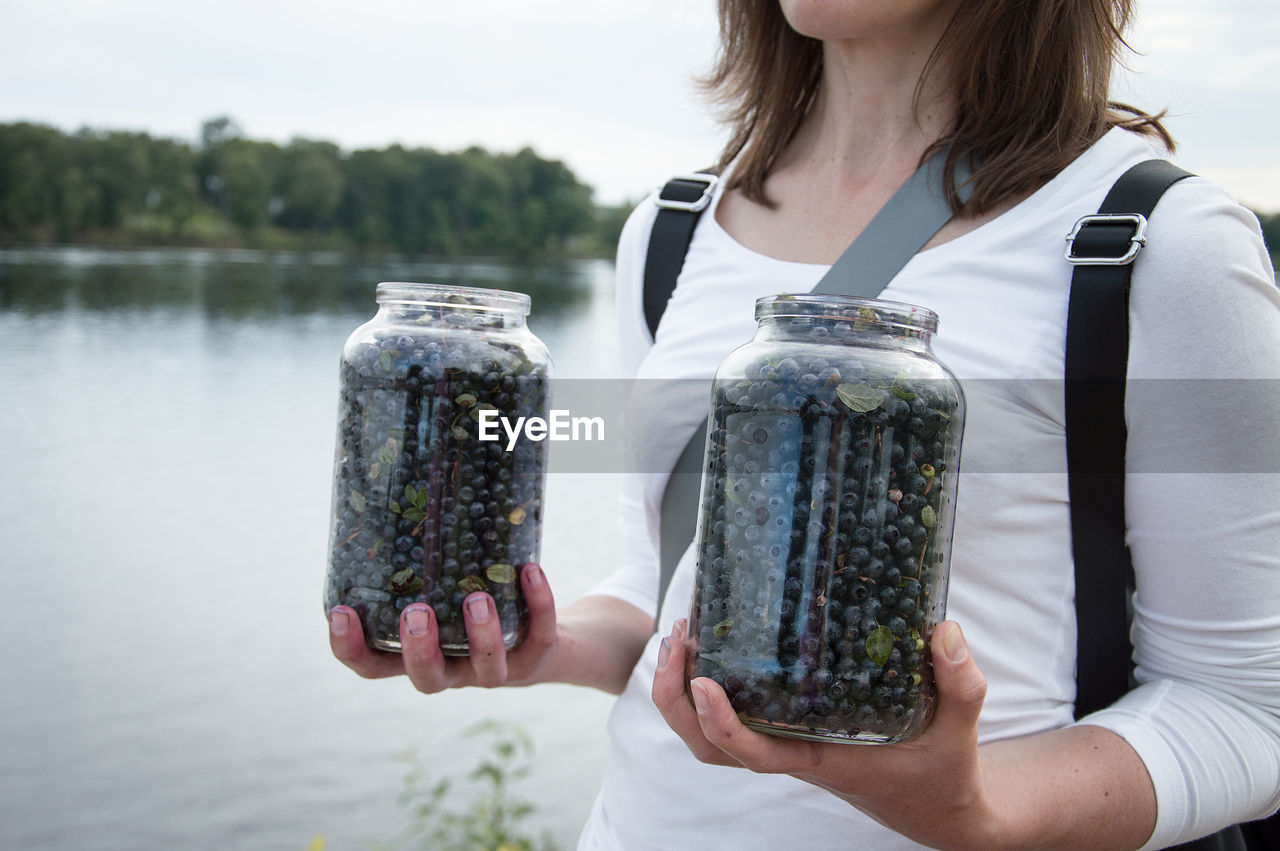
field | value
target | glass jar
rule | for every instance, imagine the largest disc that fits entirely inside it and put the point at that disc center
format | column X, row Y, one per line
column 424, row 509
column 824, row 531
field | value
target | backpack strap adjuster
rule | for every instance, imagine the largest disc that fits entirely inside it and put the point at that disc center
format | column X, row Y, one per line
column 689, row 193
column 1095, row 253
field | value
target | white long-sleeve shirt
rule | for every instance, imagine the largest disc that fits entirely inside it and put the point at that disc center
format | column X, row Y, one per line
column 1202, row 502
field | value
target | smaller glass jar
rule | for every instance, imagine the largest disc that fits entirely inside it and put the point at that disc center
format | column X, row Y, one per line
column 824, row 531
column 424, row 510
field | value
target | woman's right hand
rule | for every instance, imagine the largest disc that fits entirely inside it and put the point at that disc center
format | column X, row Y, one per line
column 489, row 663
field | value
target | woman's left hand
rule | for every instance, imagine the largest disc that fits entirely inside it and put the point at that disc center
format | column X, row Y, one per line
column 929, row 789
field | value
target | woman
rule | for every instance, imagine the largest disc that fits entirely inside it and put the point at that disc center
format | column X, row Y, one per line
column 834, row 105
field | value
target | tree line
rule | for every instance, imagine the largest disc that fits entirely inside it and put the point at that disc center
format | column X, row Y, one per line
column 227, row 189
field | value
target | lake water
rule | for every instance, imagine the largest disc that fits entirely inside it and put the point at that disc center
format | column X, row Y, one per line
column 166, row 442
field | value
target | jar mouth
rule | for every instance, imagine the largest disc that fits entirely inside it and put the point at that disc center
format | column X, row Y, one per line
column 881, row 313
column 451, row 297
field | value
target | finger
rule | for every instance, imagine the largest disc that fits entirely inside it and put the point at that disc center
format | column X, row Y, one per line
column 722, row 727
column 542, row 613
column 672, row 701
column 961, row 685
column 484, row 637
column 420, row 649
column 346, row 640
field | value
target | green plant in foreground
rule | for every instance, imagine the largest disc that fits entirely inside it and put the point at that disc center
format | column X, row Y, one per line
column 492, row 819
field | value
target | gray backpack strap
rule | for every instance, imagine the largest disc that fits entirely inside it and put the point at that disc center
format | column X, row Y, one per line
column 907, row 221
column 679, row 515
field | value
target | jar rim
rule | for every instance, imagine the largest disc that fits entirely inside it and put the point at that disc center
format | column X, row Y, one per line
column 833, row 306
column 448, row 295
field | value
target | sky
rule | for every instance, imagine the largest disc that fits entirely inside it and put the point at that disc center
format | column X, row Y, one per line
column 604, row 85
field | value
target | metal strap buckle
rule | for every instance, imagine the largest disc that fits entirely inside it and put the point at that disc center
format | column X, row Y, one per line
column 1136, row 241
column 697, row 205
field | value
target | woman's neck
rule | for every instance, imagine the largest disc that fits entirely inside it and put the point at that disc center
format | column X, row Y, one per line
column 867, row 119
column 863, row 137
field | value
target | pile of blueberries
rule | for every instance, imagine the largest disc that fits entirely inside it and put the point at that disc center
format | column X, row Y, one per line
column 821, row 564
column 423, row 510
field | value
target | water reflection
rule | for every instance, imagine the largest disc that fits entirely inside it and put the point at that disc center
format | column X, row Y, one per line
column 242, row 283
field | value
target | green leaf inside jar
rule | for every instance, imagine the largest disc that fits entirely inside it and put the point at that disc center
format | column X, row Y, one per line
column 880, row 645
column 501, row 574
column 471, row 584
column 861, row 398
column 406, row 582
column 902, row 393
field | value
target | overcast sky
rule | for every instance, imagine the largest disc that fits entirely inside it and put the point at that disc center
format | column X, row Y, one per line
column 602, row 84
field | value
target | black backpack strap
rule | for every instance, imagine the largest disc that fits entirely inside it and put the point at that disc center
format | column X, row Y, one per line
column 1103, row 247
column 680, row 205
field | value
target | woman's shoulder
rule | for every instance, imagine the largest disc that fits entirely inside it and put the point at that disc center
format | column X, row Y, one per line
column 1195, row 227
column 633, row 246
column 1195, row 205
column 1203, row 296
column 1198, row 220
column 639, row 222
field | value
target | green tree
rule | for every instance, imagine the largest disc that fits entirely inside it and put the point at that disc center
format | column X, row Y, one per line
column 118, row 165
column 311, row 185
column 364, row 210
column 551, row 206
column 34, row 161
column 172, row 192
column 215, row 133
column 244, row 173
column 483, row 218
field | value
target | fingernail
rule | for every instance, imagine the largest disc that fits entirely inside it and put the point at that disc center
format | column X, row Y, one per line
column 416, row 621
column 478, row 607
column 534, row 574
column 953, row 645
column 681, row 628
column 338, row 622
column 664, row 653
column 699, row 692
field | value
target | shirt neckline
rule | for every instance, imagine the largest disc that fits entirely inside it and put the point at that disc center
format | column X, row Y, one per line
column 1023, row 209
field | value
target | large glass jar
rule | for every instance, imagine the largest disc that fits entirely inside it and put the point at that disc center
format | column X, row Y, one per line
column 825, row 524
column 424, row 510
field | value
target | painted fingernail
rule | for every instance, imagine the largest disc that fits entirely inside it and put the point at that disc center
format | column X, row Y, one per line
column 699, row 697
column 478, row 607
column 664, row 654
column 953, row 645
column 534, row 574
column 680, row 628
column 416, row 621
column 338, row 622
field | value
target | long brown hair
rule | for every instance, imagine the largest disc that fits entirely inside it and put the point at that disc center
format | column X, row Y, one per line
column 1031, row 80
